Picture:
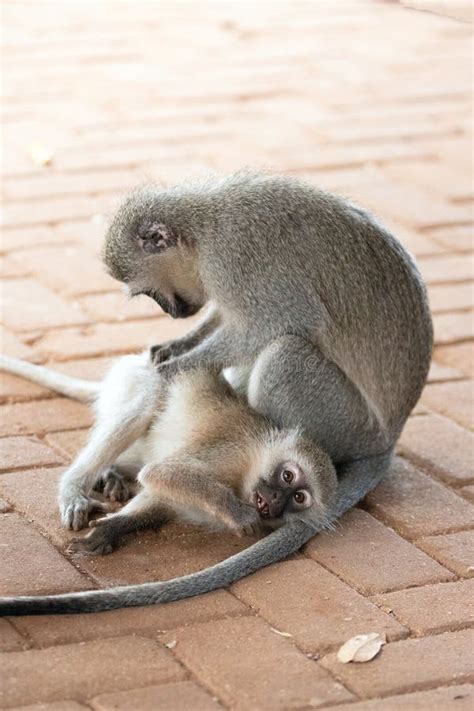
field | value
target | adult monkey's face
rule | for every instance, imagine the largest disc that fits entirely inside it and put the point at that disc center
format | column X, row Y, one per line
column 151, row 257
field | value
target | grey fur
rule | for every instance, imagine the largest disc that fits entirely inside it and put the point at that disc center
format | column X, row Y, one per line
column 321, row 315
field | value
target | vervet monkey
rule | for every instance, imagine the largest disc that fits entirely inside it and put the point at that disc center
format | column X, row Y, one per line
column 317, row 313
column 201, row 456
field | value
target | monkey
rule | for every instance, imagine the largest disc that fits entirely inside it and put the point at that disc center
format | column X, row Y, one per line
column 315, row 312
column 200, row 455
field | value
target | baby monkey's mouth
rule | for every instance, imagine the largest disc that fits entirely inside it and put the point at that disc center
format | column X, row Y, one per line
column 262, row 506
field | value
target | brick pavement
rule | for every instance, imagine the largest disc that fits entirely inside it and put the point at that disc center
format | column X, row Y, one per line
column 368, row 99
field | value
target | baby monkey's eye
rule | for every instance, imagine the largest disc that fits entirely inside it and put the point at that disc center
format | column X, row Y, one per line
column 287, row 476
column 299, row 497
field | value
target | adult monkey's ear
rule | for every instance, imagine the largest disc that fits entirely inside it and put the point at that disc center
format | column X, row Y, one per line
column 155, row 237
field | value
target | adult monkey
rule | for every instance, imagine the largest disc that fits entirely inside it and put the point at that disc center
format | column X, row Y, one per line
column 316, row 309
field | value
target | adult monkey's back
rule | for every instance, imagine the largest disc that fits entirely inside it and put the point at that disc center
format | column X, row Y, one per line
column 316, row 308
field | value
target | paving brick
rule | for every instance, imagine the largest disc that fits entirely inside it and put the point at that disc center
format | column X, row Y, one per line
column 241, row 662
column 69, row 443
column 182, row 696
column 107, row 339
column 59, row 185
column 439, row 445
column 451, row 698
column 441, row 373
column 34, row 493
column 43, row 416
column 28, row 305
column 460, row 356
column 319, row 611
column 447, row 268
column 24, row 452
column 53, row 706
column 13, row 346
column 446, row 658
column 371, row 557
column 415, row 505
column 451, row 297
column 455, row 551
column 143, row 621
column 11, row 267
column 69, row 269
column 30, row 564
column 10, row 639
column 455, row 400
column 117, row 307
column 15, row 389
column 26, row 237
column 49, row 211
column 51, row 674
column 432, row 608
column 449, row 328
column 468, row 492
column 455, row 238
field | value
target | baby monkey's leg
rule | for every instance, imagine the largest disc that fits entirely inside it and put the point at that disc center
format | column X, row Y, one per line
column 192, row 490
column 144, row 511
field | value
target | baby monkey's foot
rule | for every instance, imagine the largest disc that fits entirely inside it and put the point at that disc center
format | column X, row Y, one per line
column 76, row 512
column 102, row 540
column 113, row 486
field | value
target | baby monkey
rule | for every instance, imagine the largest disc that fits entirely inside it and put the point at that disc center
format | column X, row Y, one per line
column 199, row 453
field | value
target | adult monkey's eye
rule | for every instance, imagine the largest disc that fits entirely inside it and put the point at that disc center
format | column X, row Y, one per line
column 299, row 497
column 287, row 476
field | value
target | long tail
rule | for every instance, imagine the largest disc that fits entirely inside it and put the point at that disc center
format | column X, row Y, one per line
column 82, row 390
column 357, row 479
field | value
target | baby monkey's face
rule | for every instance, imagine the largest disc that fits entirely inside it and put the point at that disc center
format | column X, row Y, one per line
column 284, row 492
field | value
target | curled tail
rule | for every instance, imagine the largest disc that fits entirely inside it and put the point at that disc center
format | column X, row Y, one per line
column 357, row 478
column 82, row 390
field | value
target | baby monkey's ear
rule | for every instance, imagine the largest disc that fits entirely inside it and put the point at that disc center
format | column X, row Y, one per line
column 155, row 237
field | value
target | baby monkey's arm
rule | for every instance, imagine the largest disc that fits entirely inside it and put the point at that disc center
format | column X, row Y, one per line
column 191, row 490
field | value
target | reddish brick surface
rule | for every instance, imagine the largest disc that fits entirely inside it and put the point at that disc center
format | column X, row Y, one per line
column 410, row 663
column 416, row 505
column 459, row 356
column 183, row 696
column 242, row 662
column 432, row 608
column 43, row 416
column 380, row 561
column 30, row 564
column 438, row 444
column 455, row 400
column 51, row 674
column 318, row 610
column 316, row 91
column 443, row 699
column 23, row 452
column 455, row 550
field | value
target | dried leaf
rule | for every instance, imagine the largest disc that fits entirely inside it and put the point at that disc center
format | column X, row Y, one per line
column 361, row 648
column 41, row 155
column 282, row 634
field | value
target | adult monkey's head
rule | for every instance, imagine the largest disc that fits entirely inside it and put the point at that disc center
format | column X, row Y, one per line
column 152, row 251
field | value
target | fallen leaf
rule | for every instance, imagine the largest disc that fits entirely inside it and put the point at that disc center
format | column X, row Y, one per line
column 41, row 155
column 361, row 648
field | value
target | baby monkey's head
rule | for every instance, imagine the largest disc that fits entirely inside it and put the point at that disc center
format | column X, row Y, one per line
column 292, row 478
column 149, row 249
